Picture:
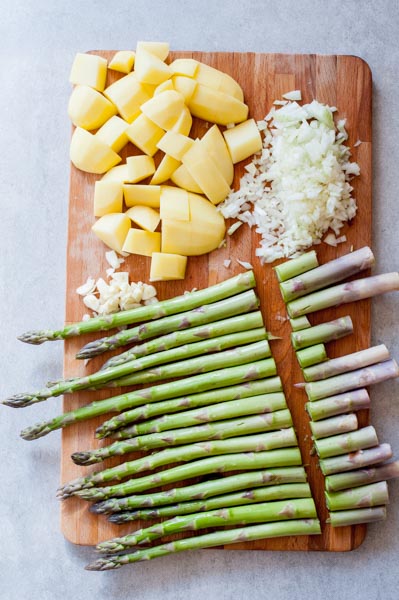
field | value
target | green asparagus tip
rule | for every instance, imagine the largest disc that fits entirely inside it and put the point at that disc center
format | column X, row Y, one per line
column 93, row 349
column 18, row 401
column 35, row 337
column 100, row 508
column 85, row 458
column 103, row 564
column 120, row 518
column 35, row 431
column 109, row 547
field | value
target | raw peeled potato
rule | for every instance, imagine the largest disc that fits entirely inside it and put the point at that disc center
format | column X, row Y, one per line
column 184, row 85
column 175, row 144
column 174, row 204
column 215, row 145
column 118, row 173
column 128, row 94
column 184, row 66
column 108, row 197
column 149, row 68
column 182, row 178
column 122, row 61
column 89, row 109
column 217, row 107
column 89, row 69
column 140, row 167
column 243, row 140
column 165, row 170
column 184, row 122
column 219, row 81
column 142, row 242
column 144, row 195
column 167, row 267
column 159, row 49
column 113, row 133
column 145, row 134
column 205, row 173
column 145, row 217
column 164, row 109
column 90, row 154
column 163, row 87
column 112, row 229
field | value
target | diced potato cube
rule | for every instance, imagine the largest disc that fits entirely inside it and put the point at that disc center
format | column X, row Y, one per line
column 145, row 134
column 214, row 143
column 205, row 172
column 219, row 81
column 164, row 109
column 89, row 69
column 175, row 144
column 243, row 140
column 184, row 85
column 88, row 109
column 122, row 61
column 182, row 178
column 128, row 94
column 183, row 123
column 145, row 217
column 144, row 195
column 165, row 170
column 159, row 49
column 140, row 167
column 149, row 68
column 108, row 197
column 174, row 203
column 90, row 154
column 184, row 66
column 112, row 229
column 163, row 87
column 142, row 242
column 167, row 267
column 118, row 173
column 216, row 107
column 113, row 133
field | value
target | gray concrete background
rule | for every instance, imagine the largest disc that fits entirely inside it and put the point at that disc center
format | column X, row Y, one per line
column 38, row 41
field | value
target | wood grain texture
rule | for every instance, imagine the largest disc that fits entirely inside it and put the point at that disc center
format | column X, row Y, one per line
column 343, row 81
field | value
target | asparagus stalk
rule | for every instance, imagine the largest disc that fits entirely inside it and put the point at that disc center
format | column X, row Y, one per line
column 247, row 443
column 190, row 300
column 342, row 481
column 323, row 333
column 302, row 508
column 327, row 274
column 300, row 323
column 312, row 355
column 197, row 383
column 343, row 518
column 337, row 405
column 347, row 442
column 251, row 496
column 219, row 538
column 350, row 362
column 296, row 266
column 334, row 426
column 344, row 293
column 374, row 494
column 353, row 380
column 288, row 458
column 353, row 460
column 243, row 322
column 214, row 464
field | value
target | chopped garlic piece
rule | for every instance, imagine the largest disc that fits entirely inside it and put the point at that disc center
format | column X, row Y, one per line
column 109, row 271
column 150, row 301
column 112, row 259
column 91, row 302
column 149, row 292
column 280, row 102
column 86, row 288
column 357, row 143
column 86, row 317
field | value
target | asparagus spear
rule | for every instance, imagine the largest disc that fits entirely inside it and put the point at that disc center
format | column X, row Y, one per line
column 247, row 443
column 190, row 300
column 243, row 322
column 219, row 538
column 197, row 383
column 375, row 494
column 312, row 355
column 337, row 405
column 251, row 496
column 327, row 274
column 343, row 518
column 288, row 458
column 323, row 333
column 296, row 266
column 102, row 378
column 300, row 323
column 317, row 390
column 214, row 464
column 334, row 426
column 342, row 481
column 353, row 460
column 347, row 442
column 343, row 293
column 302, row 508
column 344, row 364
column 208, row 313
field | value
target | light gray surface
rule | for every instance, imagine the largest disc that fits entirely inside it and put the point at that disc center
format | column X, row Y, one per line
column 38, row 41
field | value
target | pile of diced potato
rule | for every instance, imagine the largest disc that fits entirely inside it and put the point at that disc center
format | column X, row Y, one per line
column 152, row 107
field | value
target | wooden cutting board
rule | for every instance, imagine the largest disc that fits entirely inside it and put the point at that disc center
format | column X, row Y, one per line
column 342, row 81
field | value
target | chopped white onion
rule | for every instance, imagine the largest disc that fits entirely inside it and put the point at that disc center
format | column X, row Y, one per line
column 227, row 263
column 234, row 227
column 294, row 95
column 244, row 264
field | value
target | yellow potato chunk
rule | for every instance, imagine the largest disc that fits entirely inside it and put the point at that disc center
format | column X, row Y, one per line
column 175, row 144
column 165, row 170
column 167, row 267
column 89, row 69
column 113, row 133
column 183, row 123
column 145, row 134
column 118, row 173
column 205, row 173
column 203, row 233
column 128, row 95
column 149, row 68
column 182, row 178
column 144, row 195
column 139, row 167
column 90, row 154
column 174, row 203
column 184, row 85
column 88, row 109
column 112, row 229
column 122, row 61
column 219, row 81
column 145, row 217
column 159, row 49
column 108, row 197
column 216, row 107
column 163, row 87
column 243, row 140
column 142, row 242
column 184, row 66
column 164, row 109
column 214, row 143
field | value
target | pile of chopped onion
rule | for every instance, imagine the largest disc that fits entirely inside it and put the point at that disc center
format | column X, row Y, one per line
column 298, row 186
